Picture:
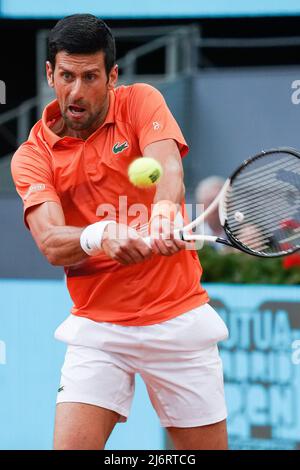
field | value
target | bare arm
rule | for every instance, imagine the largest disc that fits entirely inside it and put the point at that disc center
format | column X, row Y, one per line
column 171, row 188
column 171, row 184
column 58, row 242
column 61, row 243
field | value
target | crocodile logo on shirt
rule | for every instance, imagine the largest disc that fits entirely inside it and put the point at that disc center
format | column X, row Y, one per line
column 117, row 148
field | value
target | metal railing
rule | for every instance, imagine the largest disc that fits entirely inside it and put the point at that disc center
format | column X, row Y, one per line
column 7, row 187
column 22, row 116
column 179, row 42
column 180, row 46
column 246, row 43
column 183, row 50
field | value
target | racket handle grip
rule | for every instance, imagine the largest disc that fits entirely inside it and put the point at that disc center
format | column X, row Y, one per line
column 177, row 234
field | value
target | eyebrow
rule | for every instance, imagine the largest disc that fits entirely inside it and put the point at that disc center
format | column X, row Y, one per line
column 61, row 67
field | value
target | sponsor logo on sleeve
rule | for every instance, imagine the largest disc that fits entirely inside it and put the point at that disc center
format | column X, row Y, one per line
column 34, row 188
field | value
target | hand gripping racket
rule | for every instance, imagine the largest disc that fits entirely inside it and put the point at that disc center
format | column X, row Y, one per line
column 259, row 206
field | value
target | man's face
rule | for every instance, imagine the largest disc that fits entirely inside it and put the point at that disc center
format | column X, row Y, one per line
column 81, row 86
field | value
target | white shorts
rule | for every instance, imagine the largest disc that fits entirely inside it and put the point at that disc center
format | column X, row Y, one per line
column 177, row 359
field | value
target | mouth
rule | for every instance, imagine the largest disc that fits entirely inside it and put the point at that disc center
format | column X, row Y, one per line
column 76, row 111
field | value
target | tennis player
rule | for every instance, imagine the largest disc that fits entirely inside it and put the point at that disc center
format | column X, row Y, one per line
column 137, row 309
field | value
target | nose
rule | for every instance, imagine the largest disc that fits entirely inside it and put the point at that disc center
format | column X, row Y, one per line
column 77, row 92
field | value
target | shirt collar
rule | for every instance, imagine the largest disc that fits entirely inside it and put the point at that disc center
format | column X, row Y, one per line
column 52, row 112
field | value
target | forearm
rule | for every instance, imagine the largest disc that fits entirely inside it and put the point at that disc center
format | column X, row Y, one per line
column 171, row 186
column 61, row 245
column 168, row 199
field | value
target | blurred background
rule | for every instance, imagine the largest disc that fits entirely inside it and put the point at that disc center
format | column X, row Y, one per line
column 230, row 73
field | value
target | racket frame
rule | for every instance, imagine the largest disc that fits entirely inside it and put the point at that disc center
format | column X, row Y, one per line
column 220, row 200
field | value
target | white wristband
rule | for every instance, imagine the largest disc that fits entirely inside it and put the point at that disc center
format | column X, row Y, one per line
column 91, row 237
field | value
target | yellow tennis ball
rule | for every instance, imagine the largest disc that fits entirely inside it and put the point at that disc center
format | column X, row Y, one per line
column 144, row 172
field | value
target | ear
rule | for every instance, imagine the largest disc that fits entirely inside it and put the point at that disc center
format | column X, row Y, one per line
column 113, row 77
column 50, row 74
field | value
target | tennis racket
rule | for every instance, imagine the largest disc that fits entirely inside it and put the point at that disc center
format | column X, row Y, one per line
column 259, row 206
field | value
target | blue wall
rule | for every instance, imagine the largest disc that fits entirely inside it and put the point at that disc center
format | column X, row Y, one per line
column 261, row 361
column 30, row 362
column 149, row 8
column 237, row 112
column 261, row 372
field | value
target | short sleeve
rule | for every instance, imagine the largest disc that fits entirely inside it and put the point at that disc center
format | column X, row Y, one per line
column 32, row 175
column 151, row 118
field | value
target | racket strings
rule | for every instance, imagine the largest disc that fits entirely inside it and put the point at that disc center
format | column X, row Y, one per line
column 253, row 231
column 260, row 173
column 262, row 205
column 259, row 214
column 273, row 200
column 268, row 186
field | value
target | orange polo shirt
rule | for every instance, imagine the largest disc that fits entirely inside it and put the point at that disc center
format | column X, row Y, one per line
column 87, row 178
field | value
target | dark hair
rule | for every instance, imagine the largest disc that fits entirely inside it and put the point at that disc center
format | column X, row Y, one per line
column 82, row 34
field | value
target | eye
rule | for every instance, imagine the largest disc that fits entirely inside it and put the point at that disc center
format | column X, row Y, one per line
column 66, row 75
column 90, row 77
